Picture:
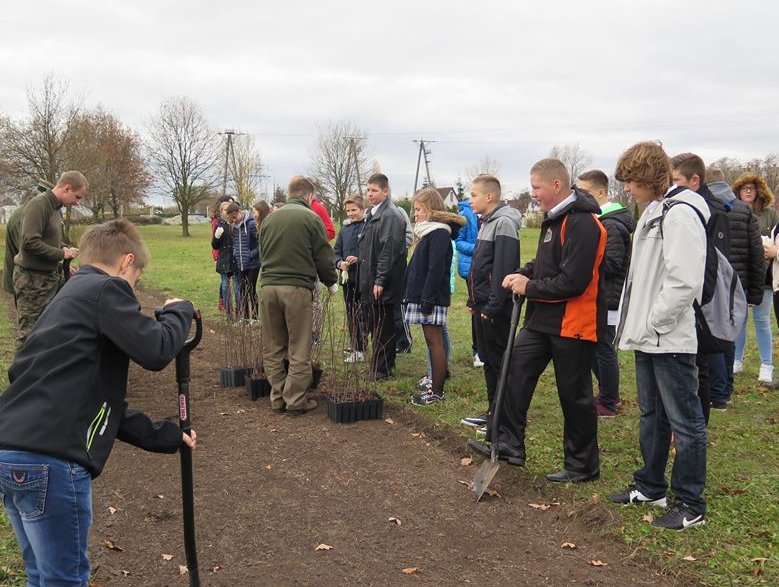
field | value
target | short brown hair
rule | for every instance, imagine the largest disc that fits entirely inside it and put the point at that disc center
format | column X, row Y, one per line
column 232, row 207
column 647, row 164
column 74, row 179
column 430, row 199
column 689, row 164
column 490, row 182
column 380, row 180
column 300, row 186
column 355, row 201
column 596, row 177
column 550, row 169
column 715, row 174
column 106, row 243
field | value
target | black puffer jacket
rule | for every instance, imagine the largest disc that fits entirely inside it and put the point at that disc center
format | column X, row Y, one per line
column 746, row 248
column 619, row 225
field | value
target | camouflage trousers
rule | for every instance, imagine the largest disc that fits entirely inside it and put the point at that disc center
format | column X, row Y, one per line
column 33, row 290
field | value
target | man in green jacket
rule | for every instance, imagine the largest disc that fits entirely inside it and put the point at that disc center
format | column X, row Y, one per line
column 295, row 252
column 36, row 275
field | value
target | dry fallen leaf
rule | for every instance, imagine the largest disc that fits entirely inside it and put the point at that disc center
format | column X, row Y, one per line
column 210, row 331
column 160, row 496
column 409, row 570
column 647, row 518
column 324, row 547
column 394, row 520
column 491, row 492
column 183, row 570
column 216, row 568
column 111, row 546
column 468, row 483
column 112, row 510
column 465, row 461
column 689, row 557
column 224, row 413
column 240, row 412
column 167, row 557
column 269, row 467
column 570, row 545
column 389, row 420
column 125, row 573
column 597, row 563
column 542, row 506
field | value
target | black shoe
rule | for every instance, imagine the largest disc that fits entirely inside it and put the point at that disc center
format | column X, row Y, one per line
column 510, row 454
column 280, row 410
column 679, row 517
column 564, row 476
column 718, row 405
column 634, row 496
column 376, row 376
column 403, row 350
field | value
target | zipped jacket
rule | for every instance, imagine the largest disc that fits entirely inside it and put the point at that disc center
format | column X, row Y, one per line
column 665, row 277
column 496, row 255
column 346, row 246
column 246, row 244
column 619, row 225
column 466, row 238
column 382, row 248
column 69, row 380
column 566, row 294
column 223, row 247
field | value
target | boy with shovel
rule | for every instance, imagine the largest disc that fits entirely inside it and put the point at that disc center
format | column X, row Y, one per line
column 66, row 402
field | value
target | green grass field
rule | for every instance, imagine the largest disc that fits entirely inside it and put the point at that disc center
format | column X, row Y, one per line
column 738, row 545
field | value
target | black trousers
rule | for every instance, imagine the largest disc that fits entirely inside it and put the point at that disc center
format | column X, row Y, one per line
column 383, row 335
column 491, row 339
column 572, row 360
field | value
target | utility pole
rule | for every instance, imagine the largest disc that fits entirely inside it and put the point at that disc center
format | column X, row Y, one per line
column 423, row 151
column 229, row 156
column 353, row 150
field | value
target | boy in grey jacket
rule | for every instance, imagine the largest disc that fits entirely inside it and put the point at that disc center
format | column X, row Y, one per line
column 657, row 322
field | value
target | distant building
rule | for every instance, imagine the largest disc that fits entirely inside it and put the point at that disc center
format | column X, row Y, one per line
column 449, row 196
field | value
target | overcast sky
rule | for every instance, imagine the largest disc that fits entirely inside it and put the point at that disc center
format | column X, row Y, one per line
column 480, row 78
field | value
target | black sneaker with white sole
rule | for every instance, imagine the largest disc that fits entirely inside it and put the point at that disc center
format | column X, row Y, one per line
column 633, row 496
column 426, row 398
column 679, row 517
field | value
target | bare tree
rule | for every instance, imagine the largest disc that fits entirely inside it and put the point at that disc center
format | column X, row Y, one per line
column 339, row 153
column 573, row 156
column 183, row 154
column 246, row 167
column 486, row 165
column 33, row 148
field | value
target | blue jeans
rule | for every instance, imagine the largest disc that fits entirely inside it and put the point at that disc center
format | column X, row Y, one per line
column 224, row 288
column 667, row 387
column 49, row 504
column 605, row 367
column 761, row 316
column 721, row 374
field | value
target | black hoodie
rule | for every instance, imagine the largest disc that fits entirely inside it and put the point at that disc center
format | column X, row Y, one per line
column 69, row 380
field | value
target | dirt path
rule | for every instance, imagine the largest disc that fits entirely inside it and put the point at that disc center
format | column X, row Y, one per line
column 270, row 488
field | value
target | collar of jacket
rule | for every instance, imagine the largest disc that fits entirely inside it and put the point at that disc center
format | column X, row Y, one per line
column 299, row 200
column 53, row 200
column 383, row 206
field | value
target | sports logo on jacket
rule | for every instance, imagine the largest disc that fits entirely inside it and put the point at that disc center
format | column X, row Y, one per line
column 548, row 235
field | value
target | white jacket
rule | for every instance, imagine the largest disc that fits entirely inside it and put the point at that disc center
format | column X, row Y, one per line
column 665, row 277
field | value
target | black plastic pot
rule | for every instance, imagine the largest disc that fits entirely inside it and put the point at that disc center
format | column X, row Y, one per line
column 348, row 411
column 257, row 388
column 232, row 376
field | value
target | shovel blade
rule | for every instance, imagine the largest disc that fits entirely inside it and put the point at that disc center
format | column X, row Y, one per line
column 483, row 477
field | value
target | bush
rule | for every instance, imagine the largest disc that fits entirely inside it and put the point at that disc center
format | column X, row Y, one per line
column 144, row 220
column 533, row 220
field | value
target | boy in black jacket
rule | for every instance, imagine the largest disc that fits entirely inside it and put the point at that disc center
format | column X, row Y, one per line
column 346, row 261
column 66, row 402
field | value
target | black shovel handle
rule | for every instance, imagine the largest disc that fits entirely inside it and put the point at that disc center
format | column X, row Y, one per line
column 504, row 375
column 185, row 422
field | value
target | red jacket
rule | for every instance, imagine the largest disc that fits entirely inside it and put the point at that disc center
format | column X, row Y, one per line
column 320, row 210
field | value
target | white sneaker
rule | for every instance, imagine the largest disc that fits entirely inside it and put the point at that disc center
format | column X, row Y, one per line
column 477, row 362
column 766, row 373
column 425, row 383
column 355, row 357
column 738, row 366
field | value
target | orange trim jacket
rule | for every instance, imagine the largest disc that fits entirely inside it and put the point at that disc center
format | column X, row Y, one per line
column 566, row 293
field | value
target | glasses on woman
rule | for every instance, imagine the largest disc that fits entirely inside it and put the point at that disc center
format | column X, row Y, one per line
column 748, row 188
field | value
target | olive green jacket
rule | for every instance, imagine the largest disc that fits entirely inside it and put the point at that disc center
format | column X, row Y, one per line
column 40, row 242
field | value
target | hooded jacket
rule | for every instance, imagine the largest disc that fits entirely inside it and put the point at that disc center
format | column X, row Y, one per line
column 222, row 246
column 246, row 244
column 382, row 254
column 69, row 380
column 665, row 277
column 619, row 225
column 495, row 255
column 566, row 294
column 767, row 215
column 429, row 272
column 466, row 238
column 746, row 247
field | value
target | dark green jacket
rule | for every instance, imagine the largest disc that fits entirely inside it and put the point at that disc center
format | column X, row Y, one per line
column 40, row 243
column 294, row 247
column 12, row 230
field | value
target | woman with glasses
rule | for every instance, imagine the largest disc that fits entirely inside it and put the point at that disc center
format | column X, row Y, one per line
column 753, row 190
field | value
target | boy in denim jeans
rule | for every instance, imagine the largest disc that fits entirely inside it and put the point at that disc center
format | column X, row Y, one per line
column 657, row 322
column 66, row 402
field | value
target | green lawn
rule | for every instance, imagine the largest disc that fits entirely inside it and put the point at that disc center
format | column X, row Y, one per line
column 738, row 546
